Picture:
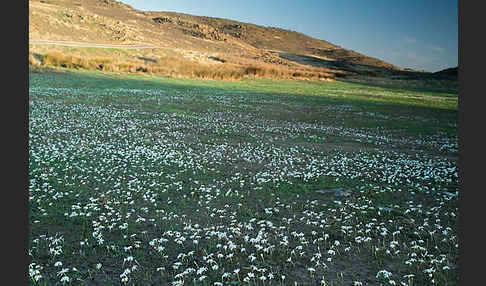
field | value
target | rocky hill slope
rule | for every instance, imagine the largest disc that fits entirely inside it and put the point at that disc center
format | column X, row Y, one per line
column 202, row 40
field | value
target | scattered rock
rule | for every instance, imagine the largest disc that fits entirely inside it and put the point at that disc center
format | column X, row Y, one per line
column 337, row 192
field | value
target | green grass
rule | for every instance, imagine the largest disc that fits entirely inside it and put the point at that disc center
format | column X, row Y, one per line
column 352, row 92
column 123, row 167
column 386, row 101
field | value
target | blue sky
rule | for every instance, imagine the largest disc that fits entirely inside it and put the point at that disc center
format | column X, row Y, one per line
column 407, row 33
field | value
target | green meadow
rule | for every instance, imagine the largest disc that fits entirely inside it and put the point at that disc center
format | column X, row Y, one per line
column 138, row 179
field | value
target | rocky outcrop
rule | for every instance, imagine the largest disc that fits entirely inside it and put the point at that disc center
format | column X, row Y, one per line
column 162, row 20
column 193, row 29
column 235, row 30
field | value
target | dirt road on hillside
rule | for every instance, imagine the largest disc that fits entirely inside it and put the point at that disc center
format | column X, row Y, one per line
column 90, row 45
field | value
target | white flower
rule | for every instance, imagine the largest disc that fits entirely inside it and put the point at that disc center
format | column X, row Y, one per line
column 179, row 276
column 64, row 270
column 201, row 270
column 37, row 277
column 128, row 259
column 98, row 266
column 383, row 273
column 58, row 264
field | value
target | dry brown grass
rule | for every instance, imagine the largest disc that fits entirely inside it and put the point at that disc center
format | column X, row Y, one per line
column 178, row 67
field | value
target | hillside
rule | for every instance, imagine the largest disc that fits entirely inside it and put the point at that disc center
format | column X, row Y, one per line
column 275, row 39
column 200, row 45
column 449, row 72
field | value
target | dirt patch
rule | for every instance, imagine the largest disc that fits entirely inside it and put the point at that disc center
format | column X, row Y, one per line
column 343, row 270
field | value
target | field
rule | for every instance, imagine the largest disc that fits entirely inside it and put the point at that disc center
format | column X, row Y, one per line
column 148, row 180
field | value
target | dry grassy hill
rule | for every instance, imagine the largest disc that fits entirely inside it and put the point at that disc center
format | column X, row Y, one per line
column 183, row 44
